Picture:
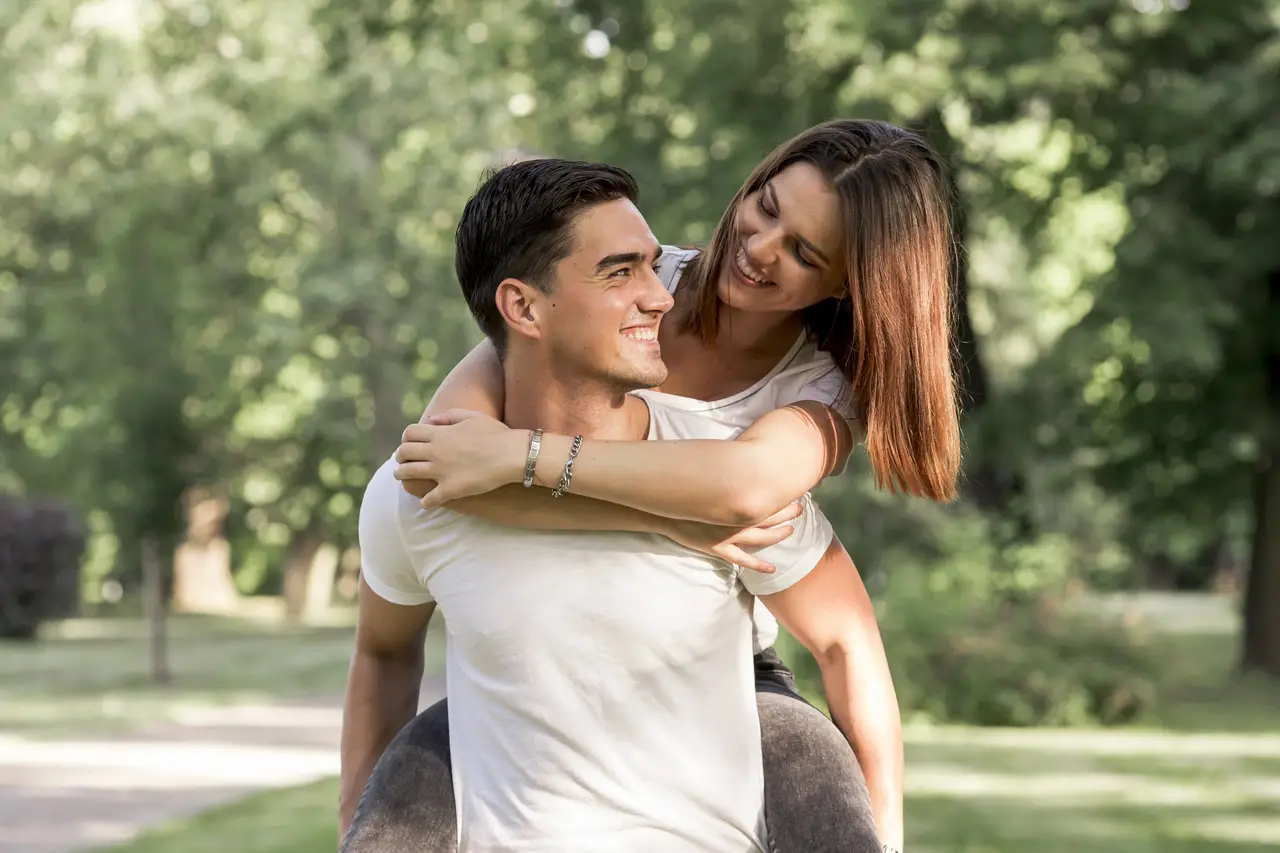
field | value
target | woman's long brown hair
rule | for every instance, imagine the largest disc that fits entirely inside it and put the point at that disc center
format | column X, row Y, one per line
column 891, row 333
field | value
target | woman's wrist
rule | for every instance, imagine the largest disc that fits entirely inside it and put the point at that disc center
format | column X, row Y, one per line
column 551, row 459
column 516, row 458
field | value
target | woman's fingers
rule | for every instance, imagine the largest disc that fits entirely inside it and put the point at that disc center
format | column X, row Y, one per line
column 418, row 488
column 762, row 537
column 453, row 416
column 414, row 433
column 435, row 498
column 734, row 554
column 790, row 512
column 415, row 471
column 414, row 451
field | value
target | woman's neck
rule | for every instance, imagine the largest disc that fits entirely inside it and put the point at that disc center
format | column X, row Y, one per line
column 749, row 344
column 738, row 332
column 757, row 332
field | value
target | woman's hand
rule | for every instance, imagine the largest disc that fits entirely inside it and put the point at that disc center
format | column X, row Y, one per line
column 464, row 453
column 729, row 543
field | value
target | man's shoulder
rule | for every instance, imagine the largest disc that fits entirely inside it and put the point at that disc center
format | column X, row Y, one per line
column 394, row 509
column 668, row 421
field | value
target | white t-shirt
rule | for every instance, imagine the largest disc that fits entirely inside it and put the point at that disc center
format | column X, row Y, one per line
column 600, row 696
column 804, row 373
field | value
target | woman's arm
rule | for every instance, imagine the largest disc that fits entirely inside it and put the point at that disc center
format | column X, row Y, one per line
column 476, row 383
column 535, row 509
column 738, row 483
column 735, row 483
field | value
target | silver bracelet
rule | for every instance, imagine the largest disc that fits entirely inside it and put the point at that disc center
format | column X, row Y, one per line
column 889, row 848
column 531, row 462
column 567, row 477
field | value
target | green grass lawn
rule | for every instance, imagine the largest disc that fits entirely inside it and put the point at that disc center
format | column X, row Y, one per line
column 294, row 820
column 1204, row 778
column 974, row 791
column 93, row 674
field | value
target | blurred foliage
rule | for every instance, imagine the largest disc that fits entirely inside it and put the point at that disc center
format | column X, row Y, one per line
column 225, row 254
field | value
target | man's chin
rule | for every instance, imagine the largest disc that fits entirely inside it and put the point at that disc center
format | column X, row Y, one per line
column 642, row 378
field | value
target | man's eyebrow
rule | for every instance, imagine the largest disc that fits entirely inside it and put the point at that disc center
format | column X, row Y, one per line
column 802, row 241
column 624, row 258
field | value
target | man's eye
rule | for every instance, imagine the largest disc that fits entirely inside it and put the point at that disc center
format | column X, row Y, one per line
column 619, row 273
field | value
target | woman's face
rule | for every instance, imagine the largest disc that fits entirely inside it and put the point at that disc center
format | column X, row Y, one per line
column 788, row 249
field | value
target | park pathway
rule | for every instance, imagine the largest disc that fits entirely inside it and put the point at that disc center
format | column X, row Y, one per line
column 60, row 796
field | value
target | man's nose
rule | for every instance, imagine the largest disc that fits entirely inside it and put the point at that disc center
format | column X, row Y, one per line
column 655, row 299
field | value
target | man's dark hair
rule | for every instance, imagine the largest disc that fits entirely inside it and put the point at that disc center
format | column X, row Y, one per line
column 519, row 224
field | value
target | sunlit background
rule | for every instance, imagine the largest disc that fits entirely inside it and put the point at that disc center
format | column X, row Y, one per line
column 226, row 286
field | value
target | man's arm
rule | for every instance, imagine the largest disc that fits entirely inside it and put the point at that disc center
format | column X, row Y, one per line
column 391, row 625
column 382, row 688
column 829, row 612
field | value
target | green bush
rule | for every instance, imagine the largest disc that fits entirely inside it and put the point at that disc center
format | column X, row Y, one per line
column 980, row 626
column 1012, row 664
column 1016, row 664
column 40, row 549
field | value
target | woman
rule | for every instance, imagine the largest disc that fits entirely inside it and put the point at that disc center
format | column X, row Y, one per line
column 819, row 311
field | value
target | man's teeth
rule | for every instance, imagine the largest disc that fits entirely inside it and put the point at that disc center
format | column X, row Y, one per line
column 641, row 333
column 749, row 271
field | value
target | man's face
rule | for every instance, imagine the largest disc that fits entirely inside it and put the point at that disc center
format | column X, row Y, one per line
column 600, row 320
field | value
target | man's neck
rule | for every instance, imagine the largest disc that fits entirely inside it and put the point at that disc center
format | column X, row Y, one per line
column 537, row 399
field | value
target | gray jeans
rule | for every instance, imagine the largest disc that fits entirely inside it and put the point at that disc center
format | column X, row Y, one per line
column 815, row 796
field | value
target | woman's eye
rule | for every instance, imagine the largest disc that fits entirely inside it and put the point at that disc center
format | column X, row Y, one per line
column 803, row 262
column 763, row 208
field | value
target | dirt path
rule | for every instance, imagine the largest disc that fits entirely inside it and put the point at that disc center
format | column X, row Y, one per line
column 59, row 796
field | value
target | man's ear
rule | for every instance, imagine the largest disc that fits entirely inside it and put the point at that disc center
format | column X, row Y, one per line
column 521, row 306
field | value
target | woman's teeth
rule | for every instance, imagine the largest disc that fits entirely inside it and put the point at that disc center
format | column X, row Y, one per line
column 644, row 333
column 749, row 272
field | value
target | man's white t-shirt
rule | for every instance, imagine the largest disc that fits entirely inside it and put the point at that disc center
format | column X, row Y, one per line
column 804, row 373
column 601, row 697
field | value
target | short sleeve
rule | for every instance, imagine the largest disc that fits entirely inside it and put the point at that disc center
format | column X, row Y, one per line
column 672, row 264
column 824, row 383
column 828, row 386
column 795, row 556
column 385, row 562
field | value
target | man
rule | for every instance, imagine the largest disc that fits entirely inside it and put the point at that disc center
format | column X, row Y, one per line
column 590, row 710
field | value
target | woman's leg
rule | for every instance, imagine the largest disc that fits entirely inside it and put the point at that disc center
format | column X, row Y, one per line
column 408, row 805
column 815, row 796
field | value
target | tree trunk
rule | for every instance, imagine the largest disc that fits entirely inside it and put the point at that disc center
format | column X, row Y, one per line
column 297, row 566
column 1262, row 592
column 322, row 575
column 202, row 581
column 991, row 481
column 155, row 605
